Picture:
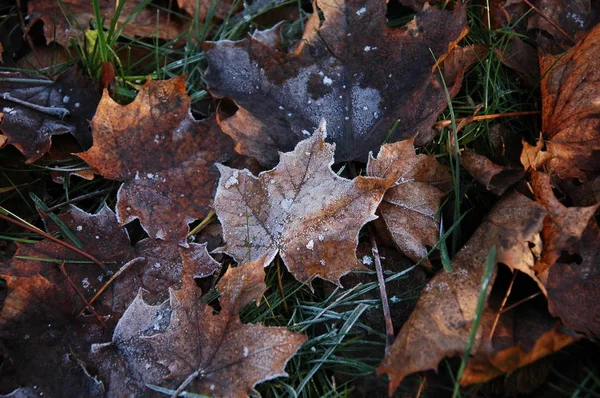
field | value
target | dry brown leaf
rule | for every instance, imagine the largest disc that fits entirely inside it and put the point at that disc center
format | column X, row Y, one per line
column 300, row 209
column 283, row 96
column 410, row 207
column 164, row 157
column 493, row 177
column 573, row 284
column 62, row 107
column 568, row 266
column 563, row 225
column 571, row 109
column 574, row 17
column 60, row 29
column 440, row 325
column 220, row 8
column 212, row 354
column 522, row 58
column 521, row 336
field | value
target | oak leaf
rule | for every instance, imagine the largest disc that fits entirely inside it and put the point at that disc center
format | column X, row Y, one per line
column 33, row 113
column 571, row 109
column 410, row 207
column 440, row 325
column 283, row 95
column 164, row 157
column 59, row 28
column 213, row 354
column 300, row 209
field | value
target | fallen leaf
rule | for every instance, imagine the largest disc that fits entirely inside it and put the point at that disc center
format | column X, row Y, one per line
column 410, row 207
column 571, row 109
column 59, row 28
column 440, row 325
column 212, row 354
column 563, row 225
column 325, row 78
column 164, row 157
column 34, row 112
column 493, row 177
column 572, row 284
column 202, row 8
column 574, row 17
column 300, row 209
column 522, row 58
column 522, row 336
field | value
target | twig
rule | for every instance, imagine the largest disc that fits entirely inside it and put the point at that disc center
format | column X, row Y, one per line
column 280, row 283
column 551, row 22
column 62, row 269
column 510, row 307
column 49, row 110
column 60, row 242
column 504, row 300
column 470, row 119
column 79, row 199
column 111, row 280
column 389, row 328
column 202, row 224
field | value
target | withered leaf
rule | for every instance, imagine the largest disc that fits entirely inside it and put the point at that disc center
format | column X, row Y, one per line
column 219, row 9
column 38, row 292
column 283, row 95
column 493, row 177
column 215, row 354
column 563, row 225
column 300, row 209
column 58, row 28
column 33, row 113
column 572, row 284
column 521, row 336
column 164, row 157
column 440, row 325
column 410, row 207
column 571, row 109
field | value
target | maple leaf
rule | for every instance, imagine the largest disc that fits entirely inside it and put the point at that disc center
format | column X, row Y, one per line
column 33, row 113
column 163, row 156
column 300, row 209
column 440, row 324
column 58, row 28
column 325, row 77
column 570, row 111
column 214, row 354
column 410, row 207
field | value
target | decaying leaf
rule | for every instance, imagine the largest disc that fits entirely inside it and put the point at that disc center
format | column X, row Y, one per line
column 202, row 8
column 520, row 337
column 493, row 177
column 440, row 325
column 568, row 266
column 164, row 157
column 573, row 17
column 571, row 109
column 563, row 225
column 79, row 13
column 212, row 354
column 573, row 284
column 33, row 113
column 300, row 209
column 352, row 71
column 410, row 207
